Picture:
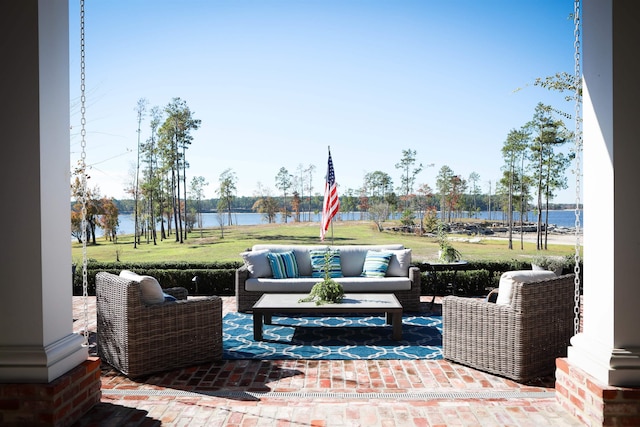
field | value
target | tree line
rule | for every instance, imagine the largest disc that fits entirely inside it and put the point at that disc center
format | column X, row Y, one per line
column 166, row 204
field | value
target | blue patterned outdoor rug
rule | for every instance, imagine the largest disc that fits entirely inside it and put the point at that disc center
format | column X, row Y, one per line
column 339, row 338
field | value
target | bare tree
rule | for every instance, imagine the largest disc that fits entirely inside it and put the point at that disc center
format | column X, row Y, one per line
column 408, row 175
column 140, row 110
column 283, row 183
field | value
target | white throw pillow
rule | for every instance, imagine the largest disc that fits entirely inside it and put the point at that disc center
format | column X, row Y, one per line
column 519, row 276
column 399, row 263
column 149, row 287
column 257, row 263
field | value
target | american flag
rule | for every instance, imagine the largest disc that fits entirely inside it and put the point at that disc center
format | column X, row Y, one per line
column 331, row 203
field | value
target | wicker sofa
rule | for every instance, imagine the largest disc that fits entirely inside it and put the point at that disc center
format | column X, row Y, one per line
column 254, row 278
column 138, row 338
column 519, row 338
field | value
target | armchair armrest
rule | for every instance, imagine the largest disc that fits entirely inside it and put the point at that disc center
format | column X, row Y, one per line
column 177, row 292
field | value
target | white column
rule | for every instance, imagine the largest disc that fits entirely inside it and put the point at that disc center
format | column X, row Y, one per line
column 609, row 347
column 37, row 343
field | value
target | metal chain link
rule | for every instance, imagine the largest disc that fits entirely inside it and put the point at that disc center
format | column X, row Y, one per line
column 578, row 165
column 83, row 190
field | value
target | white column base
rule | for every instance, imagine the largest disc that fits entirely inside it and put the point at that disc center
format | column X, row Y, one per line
column 612, row 366
column 35, row 364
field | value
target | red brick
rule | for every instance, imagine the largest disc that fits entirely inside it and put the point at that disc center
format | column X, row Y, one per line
column 577, row 402
column 560, row 389
column 562, row 365
column 594, row 388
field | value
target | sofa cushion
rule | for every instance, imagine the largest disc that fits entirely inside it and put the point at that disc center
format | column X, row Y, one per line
column 150, row 289
column 301, row 253
column 376, row 264
column 257, row 263
column 283, row 265
column 303, row 285
column 352, row 256
column 317, row 263
column 399, row 263
column 508, row 278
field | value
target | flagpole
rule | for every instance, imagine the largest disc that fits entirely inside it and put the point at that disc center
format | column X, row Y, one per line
column 329, row 152
column 332, row 232
column 331, row 204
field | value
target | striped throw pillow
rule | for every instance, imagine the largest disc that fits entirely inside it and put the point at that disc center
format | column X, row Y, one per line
column 317, row 264
column 376, row 264
column 283, row 265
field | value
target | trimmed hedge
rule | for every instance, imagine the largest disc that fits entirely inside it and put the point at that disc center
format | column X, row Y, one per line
column 213, row 278
column 479, row 278
column 218, row 278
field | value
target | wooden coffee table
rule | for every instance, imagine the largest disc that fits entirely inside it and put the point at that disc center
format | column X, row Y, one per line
column 270, row 304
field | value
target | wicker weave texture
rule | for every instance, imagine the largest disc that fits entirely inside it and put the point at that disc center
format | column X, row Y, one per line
column 139, row 339
column 520, row 341
column 409, row 299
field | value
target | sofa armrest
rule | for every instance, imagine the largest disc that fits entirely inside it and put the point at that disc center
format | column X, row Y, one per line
column 244, row 299
column 415, row 276
column 242, row 274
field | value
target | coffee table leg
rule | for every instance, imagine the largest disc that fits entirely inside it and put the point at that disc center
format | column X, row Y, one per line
column 257, row 325
column 396, row 324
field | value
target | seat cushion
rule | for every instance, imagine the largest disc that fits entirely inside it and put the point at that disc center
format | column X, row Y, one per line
column 508, row 278
column 303, row 285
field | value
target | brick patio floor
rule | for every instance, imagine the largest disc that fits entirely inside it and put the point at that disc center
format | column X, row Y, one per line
column 384, row 393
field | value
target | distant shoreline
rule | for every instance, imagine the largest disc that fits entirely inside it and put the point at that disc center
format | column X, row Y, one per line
column 553, row 238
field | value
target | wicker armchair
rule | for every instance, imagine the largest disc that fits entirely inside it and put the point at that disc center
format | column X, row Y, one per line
column 139, row 339
column 520, row 340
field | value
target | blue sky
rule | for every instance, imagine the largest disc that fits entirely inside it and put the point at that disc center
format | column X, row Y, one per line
column 275, row 82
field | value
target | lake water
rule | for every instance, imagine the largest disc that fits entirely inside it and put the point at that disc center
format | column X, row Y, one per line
column 560, row 218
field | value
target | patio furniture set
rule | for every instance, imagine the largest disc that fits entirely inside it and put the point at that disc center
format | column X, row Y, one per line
column 142, row 328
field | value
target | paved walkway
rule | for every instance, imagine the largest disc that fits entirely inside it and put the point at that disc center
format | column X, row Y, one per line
column 378, row 393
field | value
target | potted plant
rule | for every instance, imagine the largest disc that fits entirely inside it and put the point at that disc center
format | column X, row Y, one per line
column 447, row 253
column 551, row 263
column 327, row 291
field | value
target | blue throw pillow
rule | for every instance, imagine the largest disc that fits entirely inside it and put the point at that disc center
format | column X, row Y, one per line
column 283, row 265
column 169, row 298
column 376, row 264
column 317, row 264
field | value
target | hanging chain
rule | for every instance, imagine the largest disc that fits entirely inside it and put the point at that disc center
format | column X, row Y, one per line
column 578, row 165
column 83, row 190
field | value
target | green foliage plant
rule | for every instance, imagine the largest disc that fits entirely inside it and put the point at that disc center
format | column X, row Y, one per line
column 408, row 218
column 328, row 291
column 447, row 252
column 552, row 263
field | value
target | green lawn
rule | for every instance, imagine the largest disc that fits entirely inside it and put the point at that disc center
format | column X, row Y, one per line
column 212, row 247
